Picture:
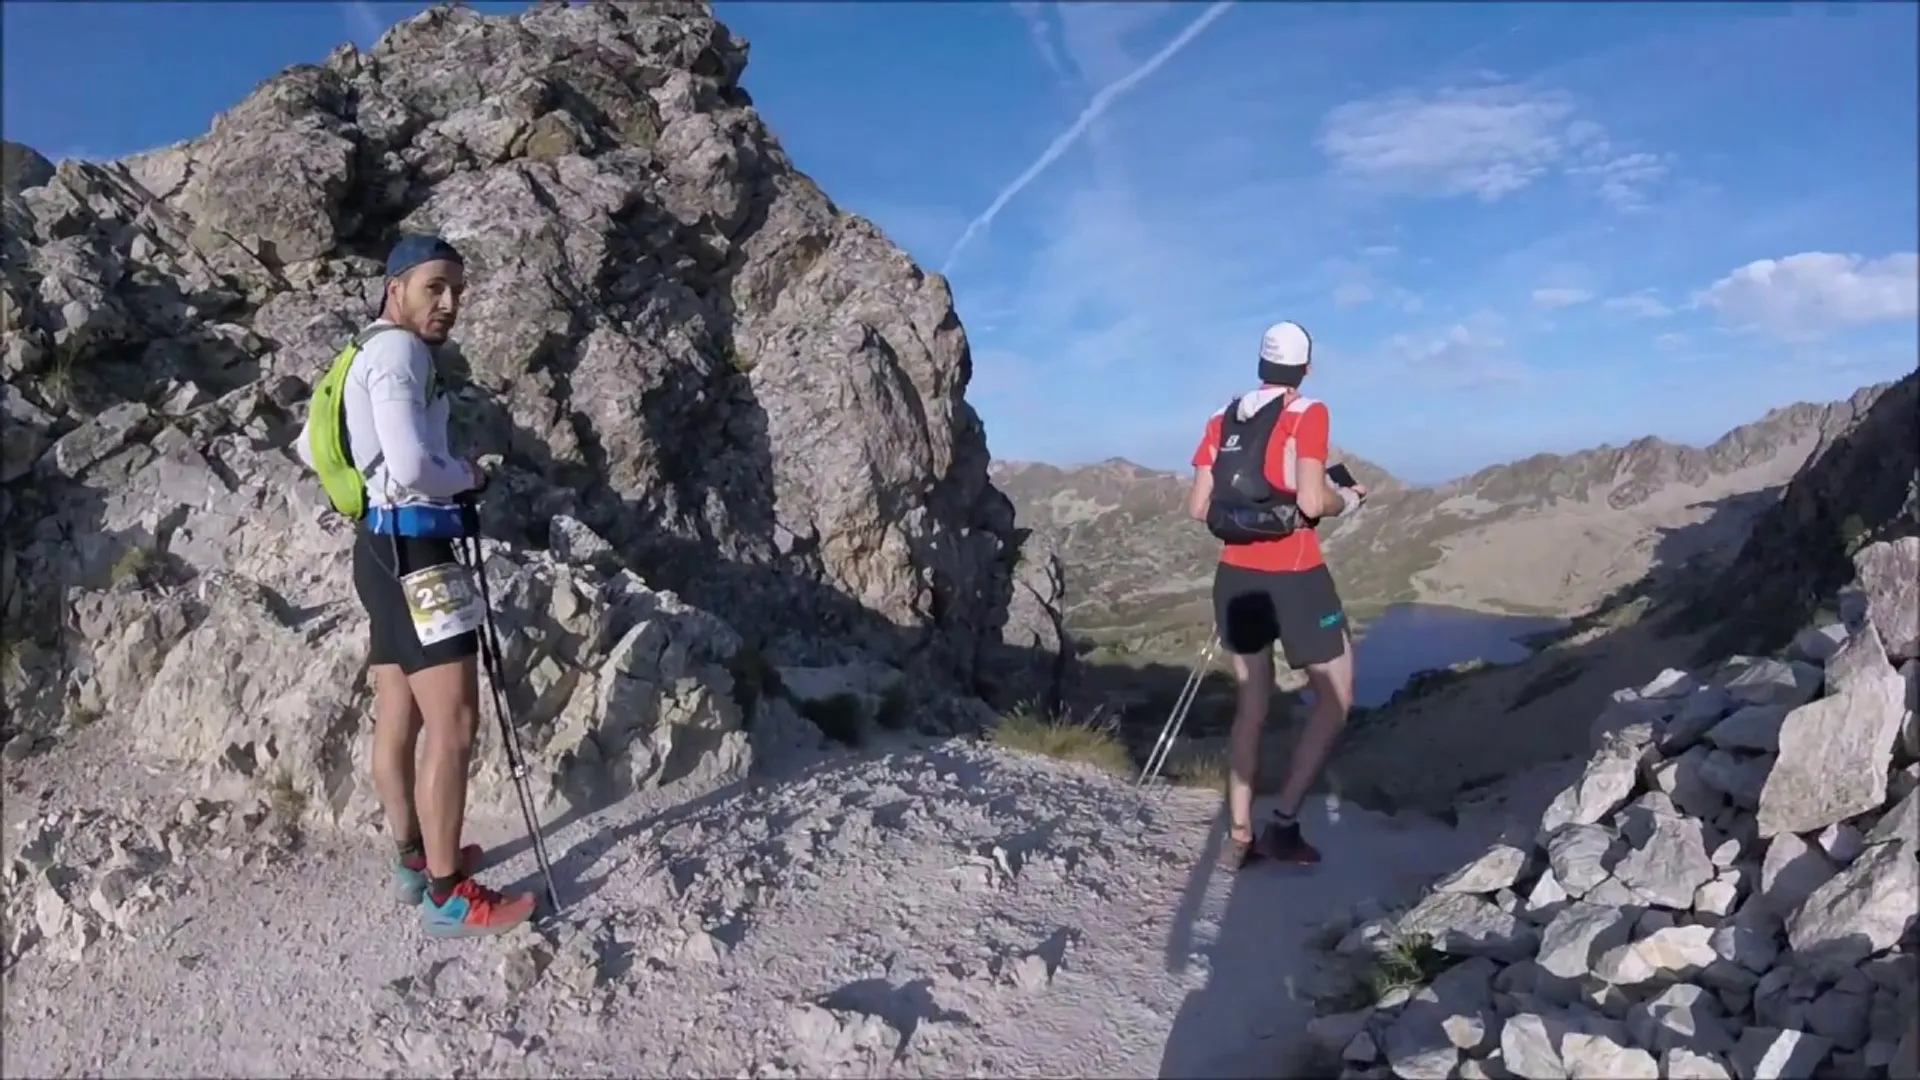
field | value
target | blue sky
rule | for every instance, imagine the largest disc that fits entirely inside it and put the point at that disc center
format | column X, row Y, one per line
column 1510, row 228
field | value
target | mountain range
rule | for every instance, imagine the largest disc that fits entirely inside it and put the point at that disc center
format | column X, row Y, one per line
column 1552, row 534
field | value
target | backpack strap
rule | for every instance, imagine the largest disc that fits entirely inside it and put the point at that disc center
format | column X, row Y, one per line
column 360, row 342
column 1284, row 426
column 1289, row 450
column 372, row 331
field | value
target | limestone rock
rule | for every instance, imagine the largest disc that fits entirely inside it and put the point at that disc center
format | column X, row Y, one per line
column 1580, row 857
column 1498, row 867
column 1697, row 714
column 1773, row 1054
column 1816, row 645
column 1682, row 1016
column 1789, row 873
column 1667, row 856
column 1861, row 658
column 1901, row 822
column 1889, row 575
column 1667, row 955
column 1834, row 756
column 1862, row 910
column 1680, row 1064
column 1468, row 926
column 1602, row 1055
column 675, row 341
column 1775, row 682
column 1754, row 728
column 1606, row 783
column 1576, row 937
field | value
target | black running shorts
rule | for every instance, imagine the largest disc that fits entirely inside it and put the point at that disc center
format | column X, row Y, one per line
column 379, row 562
column 1297, row 609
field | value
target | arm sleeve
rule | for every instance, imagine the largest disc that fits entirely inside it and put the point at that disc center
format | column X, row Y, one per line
column 397, row 367
column 303, row 443
column 1209, row 444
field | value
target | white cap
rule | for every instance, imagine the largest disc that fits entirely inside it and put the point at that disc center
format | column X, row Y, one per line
column 1286, row 344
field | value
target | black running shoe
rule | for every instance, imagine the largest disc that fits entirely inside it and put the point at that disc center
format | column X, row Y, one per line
column 1281, row 841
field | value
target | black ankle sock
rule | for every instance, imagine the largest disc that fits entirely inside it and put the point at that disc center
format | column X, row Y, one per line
column 412, row 849
column 442, row 887
column 1283, row 819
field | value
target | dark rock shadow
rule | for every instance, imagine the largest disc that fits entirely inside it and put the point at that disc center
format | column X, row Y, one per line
column 902, row 1007
column 1250, row 1016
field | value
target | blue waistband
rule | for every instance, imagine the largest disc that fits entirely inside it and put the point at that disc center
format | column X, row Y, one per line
column 419, row 522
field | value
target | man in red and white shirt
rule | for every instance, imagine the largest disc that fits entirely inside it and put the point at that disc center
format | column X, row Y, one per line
column 1279, row 591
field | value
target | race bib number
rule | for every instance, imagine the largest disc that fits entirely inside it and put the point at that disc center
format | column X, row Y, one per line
column 443, row 602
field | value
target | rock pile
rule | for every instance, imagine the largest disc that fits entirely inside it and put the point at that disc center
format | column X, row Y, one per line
column 1729, row 890
column 731, row 417
column 74, row 877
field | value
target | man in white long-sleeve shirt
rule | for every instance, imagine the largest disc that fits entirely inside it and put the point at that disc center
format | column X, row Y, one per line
column 425, row 665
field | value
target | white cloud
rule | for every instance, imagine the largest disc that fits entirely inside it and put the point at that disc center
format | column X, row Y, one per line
column 1033, row 14
column 364, row 24
column 1621, row 181
column 1066, row 139
column 1467, row 355
column 1095, row 36
column 1640, row 305
column 1484, row 141
column 1559, row 298
column 1352, row 294
column 1804, row 296
column 1361, row 281
column 1489, row 141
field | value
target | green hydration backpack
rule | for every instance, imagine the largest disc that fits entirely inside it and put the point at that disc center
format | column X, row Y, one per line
column 327, row 439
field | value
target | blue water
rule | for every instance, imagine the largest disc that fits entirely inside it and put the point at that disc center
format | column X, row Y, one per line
column 1409, row 638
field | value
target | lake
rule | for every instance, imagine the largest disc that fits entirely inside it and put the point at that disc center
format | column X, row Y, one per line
column 1409, row 638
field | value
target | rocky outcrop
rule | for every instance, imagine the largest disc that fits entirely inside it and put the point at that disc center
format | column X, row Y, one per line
column 1729, row 890
column 22, row 167
column 728, row 418
column 1863, row 485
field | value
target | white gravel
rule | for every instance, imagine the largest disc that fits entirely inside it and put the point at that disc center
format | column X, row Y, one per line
column 930, row 910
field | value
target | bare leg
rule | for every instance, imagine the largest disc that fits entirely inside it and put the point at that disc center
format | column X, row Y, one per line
column 396, row 734
column 1332, row 684
column 449, row 700
column 1254, row 673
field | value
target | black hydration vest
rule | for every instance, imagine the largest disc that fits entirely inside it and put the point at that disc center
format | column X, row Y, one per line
column 1245, row 507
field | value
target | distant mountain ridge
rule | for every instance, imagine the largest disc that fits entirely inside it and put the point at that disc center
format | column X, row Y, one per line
column 1551, row 533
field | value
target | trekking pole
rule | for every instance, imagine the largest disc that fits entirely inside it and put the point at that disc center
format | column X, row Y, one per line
column 490, row 658
column 1170, row 731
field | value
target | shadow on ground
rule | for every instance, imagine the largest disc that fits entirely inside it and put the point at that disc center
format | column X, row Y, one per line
column 1263, row 952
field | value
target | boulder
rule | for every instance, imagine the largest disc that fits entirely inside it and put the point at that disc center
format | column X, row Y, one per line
column 1729, row 889
column 1834, row 757
column 675, row 345
column 1889, row 577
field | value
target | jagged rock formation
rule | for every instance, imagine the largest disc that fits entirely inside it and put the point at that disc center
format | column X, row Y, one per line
column 1552, row 534
column 1729, row 888
column 732, row 417
column 1863, row 485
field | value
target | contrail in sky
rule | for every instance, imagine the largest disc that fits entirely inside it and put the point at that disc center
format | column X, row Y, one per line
column 1060, row 145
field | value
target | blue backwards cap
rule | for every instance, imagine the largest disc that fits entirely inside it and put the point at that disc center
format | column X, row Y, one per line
column 410, row 251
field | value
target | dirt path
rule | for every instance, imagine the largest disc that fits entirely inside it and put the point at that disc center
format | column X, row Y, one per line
column 934, row 910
